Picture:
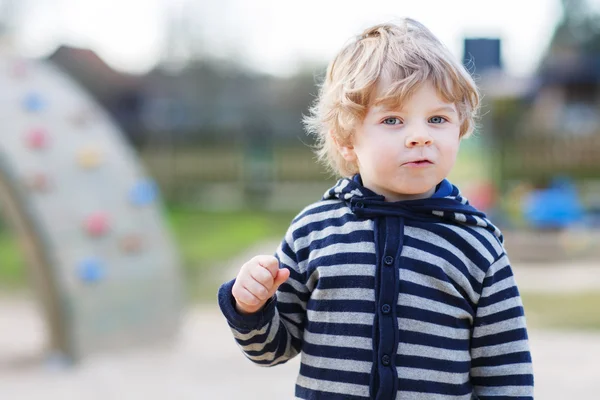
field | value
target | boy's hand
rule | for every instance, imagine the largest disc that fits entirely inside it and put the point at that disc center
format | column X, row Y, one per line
column 257, row 282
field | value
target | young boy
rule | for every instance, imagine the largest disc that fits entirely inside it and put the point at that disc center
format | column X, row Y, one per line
column 392, row 286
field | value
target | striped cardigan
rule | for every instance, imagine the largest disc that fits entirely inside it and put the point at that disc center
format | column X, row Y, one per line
column 405, row 300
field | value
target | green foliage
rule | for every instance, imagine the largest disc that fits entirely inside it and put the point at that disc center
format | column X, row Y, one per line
column 12, row 265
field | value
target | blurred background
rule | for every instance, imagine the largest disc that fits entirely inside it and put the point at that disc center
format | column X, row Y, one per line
column 209, row 96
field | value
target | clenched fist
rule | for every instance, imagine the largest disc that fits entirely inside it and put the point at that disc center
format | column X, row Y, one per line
column 257, row 282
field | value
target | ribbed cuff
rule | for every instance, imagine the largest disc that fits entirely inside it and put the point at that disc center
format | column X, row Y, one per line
column 244, row 322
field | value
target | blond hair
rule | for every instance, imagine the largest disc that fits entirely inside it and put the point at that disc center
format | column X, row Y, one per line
column 406, row 55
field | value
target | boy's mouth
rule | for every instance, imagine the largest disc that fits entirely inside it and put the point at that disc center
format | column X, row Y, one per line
column 418, row 163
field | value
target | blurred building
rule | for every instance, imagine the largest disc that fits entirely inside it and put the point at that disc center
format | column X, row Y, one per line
column 119, row 93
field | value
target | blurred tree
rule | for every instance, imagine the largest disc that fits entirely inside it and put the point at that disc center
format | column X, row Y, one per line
column 579, row 28
column 7, row 16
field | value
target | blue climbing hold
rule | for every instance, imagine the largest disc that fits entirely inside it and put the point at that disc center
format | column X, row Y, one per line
column 33, row 102
column 144, row 192
column 91, row 270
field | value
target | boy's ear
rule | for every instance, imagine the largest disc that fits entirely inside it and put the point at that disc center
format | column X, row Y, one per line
column 345, row 149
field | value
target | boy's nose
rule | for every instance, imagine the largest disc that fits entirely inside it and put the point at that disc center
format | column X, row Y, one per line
column 420, row 138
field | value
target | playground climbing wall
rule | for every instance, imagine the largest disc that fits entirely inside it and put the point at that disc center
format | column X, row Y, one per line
column 87, row 215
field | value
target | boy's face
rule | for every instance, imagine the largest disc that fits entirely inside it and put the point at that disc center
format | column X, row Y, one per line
column 403, row 154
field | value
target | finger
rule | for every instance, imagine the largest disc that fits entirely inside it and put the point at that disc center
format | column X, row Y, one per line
column 270, row 263
column 257, row 289
column 262, row 276
column 282, row 275
column 243, row 296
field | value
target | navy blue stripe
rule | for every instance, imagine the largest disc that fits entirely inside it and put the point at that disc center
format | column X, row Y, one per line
column 342, row 306
column 347, row 281
column 514, row 312
column 426, row 339
column 338, row 352
column 497, row 297
column 499, row 338
column 502, row 359
column 433, row 317
column 355, row 378
column 424, row 386
column 504, row 380
column 365, row 331
column 433, row 364
column 434, row 295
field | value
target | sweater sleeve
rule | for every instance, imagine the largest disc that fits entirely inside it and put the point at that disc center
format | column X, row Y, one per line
column 501, row 361
column 272, row 335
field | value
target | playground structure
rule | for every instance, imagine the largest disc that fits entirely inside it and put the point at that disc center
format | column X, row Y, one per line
column 87, row 215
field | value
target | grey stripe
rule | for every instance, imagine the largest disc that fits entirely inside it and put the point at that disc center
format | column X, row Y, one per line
column 500, row 349
column 460, row 217
column 341, row 317
column 346, row 229
column 430, row 282
column 508, row 391
column 430, row 375
column 337, row 364
column 430, row 396
column 499, row 306
column 353, row 342
column 426, row 304
column 344, row 294
column 429, row 328
column 498, row 327
column 320, row 216
column 339, row 248
column 333, row 387
column 433, row 352
column 501, row 370
column 347, row 270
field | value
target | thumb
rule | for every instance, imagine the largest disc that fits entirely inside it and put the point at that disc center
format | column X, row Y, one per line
column 282, row 275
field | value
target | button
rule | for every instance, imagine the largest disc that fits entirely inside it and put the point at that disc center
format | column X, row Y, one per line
column 360, row 204
column 386, row 308
column 385, row 360
column 388, row 260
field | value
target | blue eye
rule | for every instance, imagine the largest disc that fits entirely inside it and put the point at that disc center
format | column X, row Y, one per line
column 392, row 121
column 437, row 120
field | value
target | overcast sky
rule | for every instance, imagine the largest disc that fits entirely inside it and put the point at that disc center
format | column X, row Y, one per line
column 275, row 36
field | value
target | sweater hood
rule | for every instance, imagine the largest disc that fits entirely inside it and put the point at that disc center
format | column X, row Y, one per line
column 445, row 205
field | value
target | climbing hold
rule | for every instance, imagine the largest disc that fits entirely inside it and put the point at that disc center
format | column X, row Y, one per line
column 89, row 158
column 19, row 69
column 91, row 270
column 131, row 243
column 144, row 192
column 37, row 139
column 97, row 224
column 81, row 118
column 39, row 182
column 33, row 102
